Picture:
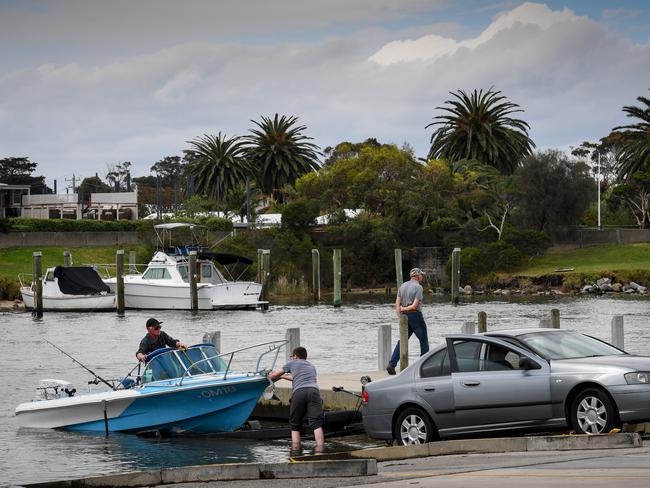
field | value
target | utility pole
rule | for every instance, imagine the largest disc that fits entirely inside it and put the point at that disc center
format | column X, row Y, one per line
column 74, row 182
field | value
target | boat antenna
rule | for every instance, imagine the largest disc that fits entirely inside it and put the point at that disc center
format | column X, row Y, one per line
column 97, row 377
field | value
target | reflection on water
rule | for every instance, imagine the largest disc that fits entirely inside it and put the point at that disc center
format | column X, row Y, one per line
column 338, row 340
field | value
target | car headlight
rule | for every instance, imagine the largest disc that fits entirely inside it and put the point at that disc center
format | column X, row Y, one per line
column 638, row 378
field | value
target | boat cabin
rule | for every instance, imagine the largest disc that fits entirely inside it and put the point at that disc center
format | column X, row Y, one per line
column 166, row 364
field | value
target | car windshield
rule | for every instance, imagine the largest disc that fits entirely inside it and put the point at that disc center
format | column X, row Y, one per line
column 567, row 345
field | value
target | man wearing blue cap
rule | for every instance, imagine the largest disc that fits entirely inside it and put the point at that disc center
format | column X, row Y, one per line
column 409, row 302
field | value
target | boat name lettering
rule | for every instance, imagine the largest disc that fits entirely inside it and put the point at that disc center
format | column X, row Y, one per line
column 218, row 391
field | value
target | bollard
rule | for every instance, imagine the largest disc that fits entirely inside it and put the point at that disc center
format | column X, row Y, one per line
column 399, row 274
column 194, row 292
column 618, row 332
column 482, row 322
column 213, row 338
column 403, row 342
column 383, row 343
column 315, row 274
column 119, row 280
column 468, row 328
column 336, row 258
column 266, row 265
column 293, row 336
column 67, row 259
column 260, row 264
column 555, row 318
column 545, row 323
column 455, row 275
column 37, row 271
column 132, row 267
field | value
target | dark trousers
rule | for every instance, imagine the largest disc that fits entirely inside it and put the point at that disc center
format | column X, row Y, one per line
column 417, row 326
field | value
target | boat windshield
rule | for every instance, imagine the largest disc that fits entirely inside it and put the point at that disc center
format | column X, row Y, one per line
column 173, row 363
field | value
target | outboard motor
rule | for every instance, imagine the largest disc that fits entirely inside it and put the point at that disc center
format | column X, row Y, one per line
column 50, row 389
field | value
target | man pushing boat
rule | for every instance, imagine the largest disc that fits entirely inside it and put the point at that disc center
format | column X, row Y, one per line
column 155, row 339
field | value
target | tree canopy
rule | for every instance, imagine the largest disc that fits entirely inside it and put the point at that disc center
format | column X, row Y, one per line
column 635, row 154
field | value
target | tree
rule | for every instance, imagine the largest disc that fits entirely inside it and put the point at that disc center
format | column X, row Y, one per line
column 609, row 149
column 635, row 155
column 18, row 171
column 279, row 153
column 555, row 190
column 503, row 196
column 478, row 126
column 119, row 176
column 218, row 164
column 171, row 170
column 635, row 195
column 90, row 185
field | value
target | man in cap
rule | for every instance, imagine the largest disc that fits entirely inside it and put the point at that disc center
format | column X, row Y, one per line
column 155, row 339
column 409, row 302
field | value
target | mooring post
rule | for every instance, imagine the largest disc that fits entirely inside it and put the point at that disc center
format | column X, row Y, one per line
column 468, row 328
column 455, row 275
column 213, row 338
column 336, row 258
column 399, row 275
column 37, row 271
column 266, row 267
column 315, row 274
column 293, row 336
column 618, row 332
column 482, row 322
column 132, row 267
column 67, row 259
column 403, row 342
column 260, row 264
column 383, row 343
column 555, row 318
column 119, row 280
column 194, row 292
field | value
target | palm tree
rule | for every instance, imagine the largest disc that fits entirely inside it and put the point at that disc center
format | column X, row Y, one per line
column 479, row 127
column 218, row 164
column 635, row 155
column 279, row 153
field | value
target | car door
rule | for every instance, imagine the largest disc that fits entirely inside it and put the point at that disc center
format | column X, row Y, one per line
column 491, row 388
column 434, row 387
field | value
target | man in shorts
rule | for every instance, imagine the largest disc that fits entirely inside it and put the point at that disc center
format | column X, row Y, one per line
column 305, row 400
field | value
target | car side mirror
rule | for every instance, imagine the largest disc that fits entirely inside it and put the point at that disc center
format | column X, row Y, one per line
column 526, row 363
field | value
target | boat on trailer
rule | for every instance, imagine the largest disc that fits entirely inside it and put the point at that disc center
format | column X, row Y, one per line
column 189, row 390
column 69, row 288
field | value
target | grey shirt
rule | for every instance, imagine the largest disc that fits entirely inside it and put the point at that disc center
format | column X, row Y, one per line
column 408, row 292
column 303, row 373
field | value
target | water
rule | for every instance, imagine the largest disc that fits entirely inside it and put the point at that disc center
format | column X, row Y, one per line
column 338, row 340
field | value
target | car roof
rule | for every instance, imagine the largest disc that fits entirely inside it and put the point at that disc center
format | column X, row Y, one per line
column 520, row 332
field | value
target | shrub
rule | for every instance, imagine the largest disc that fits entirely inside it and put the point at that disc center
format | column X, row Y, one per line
column 9, row 288
column 476, row 262
column 528, row 242
column 299, row 214
column 70, row 225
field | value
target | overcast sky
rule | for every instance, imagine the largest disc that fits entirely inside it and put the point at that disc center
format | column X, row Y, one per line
column 85, row 84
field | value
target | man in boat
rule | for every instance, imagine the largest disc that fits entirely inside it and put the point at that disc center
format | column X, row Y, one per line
column 155, row 339
column 305, row 400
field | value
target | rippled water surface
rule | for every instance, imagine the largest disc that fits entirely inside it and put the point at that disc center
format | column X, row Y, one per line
column 338, row 340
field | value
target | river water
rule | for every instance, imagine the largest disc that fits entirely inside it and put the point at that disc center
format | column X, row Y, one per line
column 338, row 340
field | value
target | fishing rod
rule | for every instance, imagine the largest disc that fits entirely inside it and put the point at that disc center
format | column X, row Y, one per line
column 97, row 377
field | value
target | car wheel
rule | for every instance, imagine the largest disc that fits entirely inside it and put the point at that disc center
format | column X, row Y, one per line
column 593, row 412
column 413, row 427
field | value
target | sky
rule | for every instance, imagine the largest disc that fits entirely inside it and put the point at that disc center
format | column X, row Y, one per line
column 86, row 84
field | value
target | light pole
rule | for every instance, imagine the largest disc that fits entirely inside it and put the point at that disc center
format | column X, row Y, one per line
column 598, row 177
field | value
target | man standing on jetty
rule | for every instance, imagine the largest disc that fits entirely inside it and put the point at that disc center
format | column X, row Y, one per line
column 409, row 302
column 155, row 339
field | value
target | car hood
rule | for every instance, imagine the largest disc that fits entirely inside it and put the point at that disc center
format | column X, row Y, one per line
column 603, row 363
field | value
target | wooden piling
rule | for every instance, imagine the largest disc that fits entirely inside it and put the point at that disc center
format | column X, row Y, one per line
column 67, row 259
column 293, row 336
column 194, row 292
column 336, row 258
column 555, row 318
column 315, row 274
column 618, row 332
column 403, row 342
column 266, row 265
column 213, row 338
column 37, row 280
column 468, row 328
column 383, row 346
column 482, row 322
column 260, row 264
column 399, row 274
column 455, row 275
column 119, row 280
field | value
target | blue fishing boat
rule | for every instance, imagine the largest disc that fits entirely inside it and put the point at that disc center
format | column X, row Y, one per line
column 189, row 390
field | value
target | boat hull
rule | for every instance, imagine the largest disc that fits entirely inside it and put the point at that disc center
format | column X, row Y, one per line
column 198, row 406
column 70, row 302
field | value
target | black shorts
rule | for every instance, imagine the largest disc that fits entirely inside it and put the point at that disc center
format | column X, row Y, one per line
column 306, row 401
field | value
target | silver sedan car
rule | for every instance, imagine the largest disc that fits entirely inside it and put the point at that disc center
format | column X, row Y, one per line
column 510, row 379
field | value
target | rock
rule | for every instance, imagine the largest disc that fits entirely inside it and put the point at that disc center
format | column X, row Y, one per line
column 505, row 292
column 603, row 281
column 467, row 290
column 606, row 287
column 642, row 290
column 497, row 291
column 617, row 287
column 634, row 286
column 629, row 291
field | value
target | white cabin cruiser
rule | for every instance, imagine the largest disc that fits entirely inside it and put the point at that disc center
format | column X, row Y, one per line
column 70, row 288
column 165, row 282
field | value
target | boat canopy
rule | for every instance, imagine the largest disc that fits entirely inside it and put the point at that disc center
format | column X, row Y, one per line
column 224, row 258
column 79, row 280
column 167, row 364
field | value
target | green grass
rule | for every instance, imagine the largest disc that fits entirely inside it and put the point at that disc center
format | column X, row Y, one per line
column 17, row 260
column 593, row 259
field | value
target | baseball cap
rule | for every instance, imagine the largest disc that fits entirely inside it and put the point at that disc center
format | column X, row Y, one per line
column 153, row 322
column 417, row 271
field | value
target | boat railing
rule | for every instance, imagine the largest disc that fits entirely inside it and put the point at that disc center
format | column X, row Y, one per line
column 273, row 347
column 106, row 271
column 22, row 279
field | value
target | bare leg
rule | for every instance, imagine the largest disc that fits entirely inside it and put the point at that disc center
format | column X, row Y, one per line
column 319, row 436
column 295, row 439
